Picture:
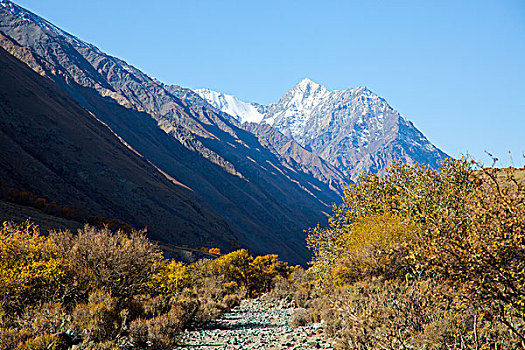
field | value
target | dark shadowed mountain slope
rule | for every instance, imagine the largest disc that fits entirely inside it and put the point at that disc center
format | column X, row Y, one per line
column 266, row 202
column 298, row 157
column 51, row 146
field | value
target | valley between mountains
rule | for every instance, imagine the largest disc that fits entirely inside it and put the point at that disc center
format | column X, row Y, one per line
column 141, row 215
column 227, row 173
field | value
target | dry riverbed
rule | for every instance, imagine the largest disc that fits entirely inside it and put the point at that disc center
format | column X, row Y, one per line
column 255, row 324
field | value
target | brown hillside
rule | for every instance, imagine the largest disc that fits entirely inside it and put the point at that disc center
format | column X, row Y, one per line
column 19, row 213
column 51, row 146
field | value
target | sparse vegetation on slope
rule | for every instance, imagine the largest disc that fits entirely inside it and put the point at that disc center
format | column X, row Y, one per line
column 51, row 207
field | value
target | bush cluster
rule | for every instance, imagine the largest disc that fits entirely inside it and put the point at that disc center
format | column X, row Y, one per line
column 421, row 258
column 107, row 290
column 32, row 200
column 51, row 207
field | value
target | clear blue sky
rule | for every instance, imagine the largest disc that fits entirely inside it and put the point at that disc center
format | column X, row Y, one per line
column 455, row 68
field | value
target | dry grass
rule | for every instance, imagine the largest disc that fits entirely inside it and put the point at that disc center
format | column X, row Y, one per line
column 109, row 290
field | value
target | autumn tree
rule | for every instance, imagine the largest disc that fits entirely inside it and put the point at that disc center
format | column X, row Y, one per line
column 459, row 229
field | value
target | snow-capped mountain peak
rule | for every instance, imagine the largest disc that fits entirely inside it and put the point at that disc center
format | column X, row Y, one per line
column 307, row 83
column 305, row 95
column 242, row 111
column 294, row 108
column 355, row 129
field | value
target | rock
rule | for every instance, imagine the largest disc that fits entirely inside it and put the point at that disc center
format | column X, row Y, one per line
column 255, row 325
column 318, row 325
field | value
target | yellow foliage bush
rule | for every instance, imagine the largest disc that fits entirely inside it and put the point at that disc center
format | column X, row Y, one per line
column 254, row 274
column 236, row 267
column 30, row 268
column 399, row 206
column 111, row 288
column 458, row 231
column 171, row 278
column 215, row 251
column 379, row 231
column 267, row 268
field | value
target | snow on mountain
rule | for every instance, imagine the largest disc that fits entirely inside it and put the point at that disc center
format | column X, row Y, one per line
column 355, row 129
column 242, row 111
column 292, row 111
column 251, row 196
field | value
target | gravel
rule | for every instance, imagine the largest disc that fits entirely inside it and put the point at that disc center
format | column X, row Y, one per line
column 255, row 324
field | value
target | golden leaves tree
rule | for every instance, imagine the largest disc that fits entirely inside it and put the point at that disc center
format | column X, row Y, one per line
column 457, row 228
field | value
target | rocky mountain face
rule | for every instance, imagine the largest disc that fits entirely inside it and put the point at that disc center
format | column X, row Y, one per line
column 51, row 146
column 354, row 130
column 298, row 157
column 290, row 153
column 266, row 198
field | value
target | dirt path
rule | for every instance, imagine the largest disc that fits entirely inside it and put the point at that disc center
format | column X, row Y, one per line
column 255, row 325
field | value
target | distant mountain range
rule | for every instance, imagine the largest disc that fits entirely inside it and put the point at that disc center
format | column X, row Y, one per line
column 197, row 168
column 355, row 130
